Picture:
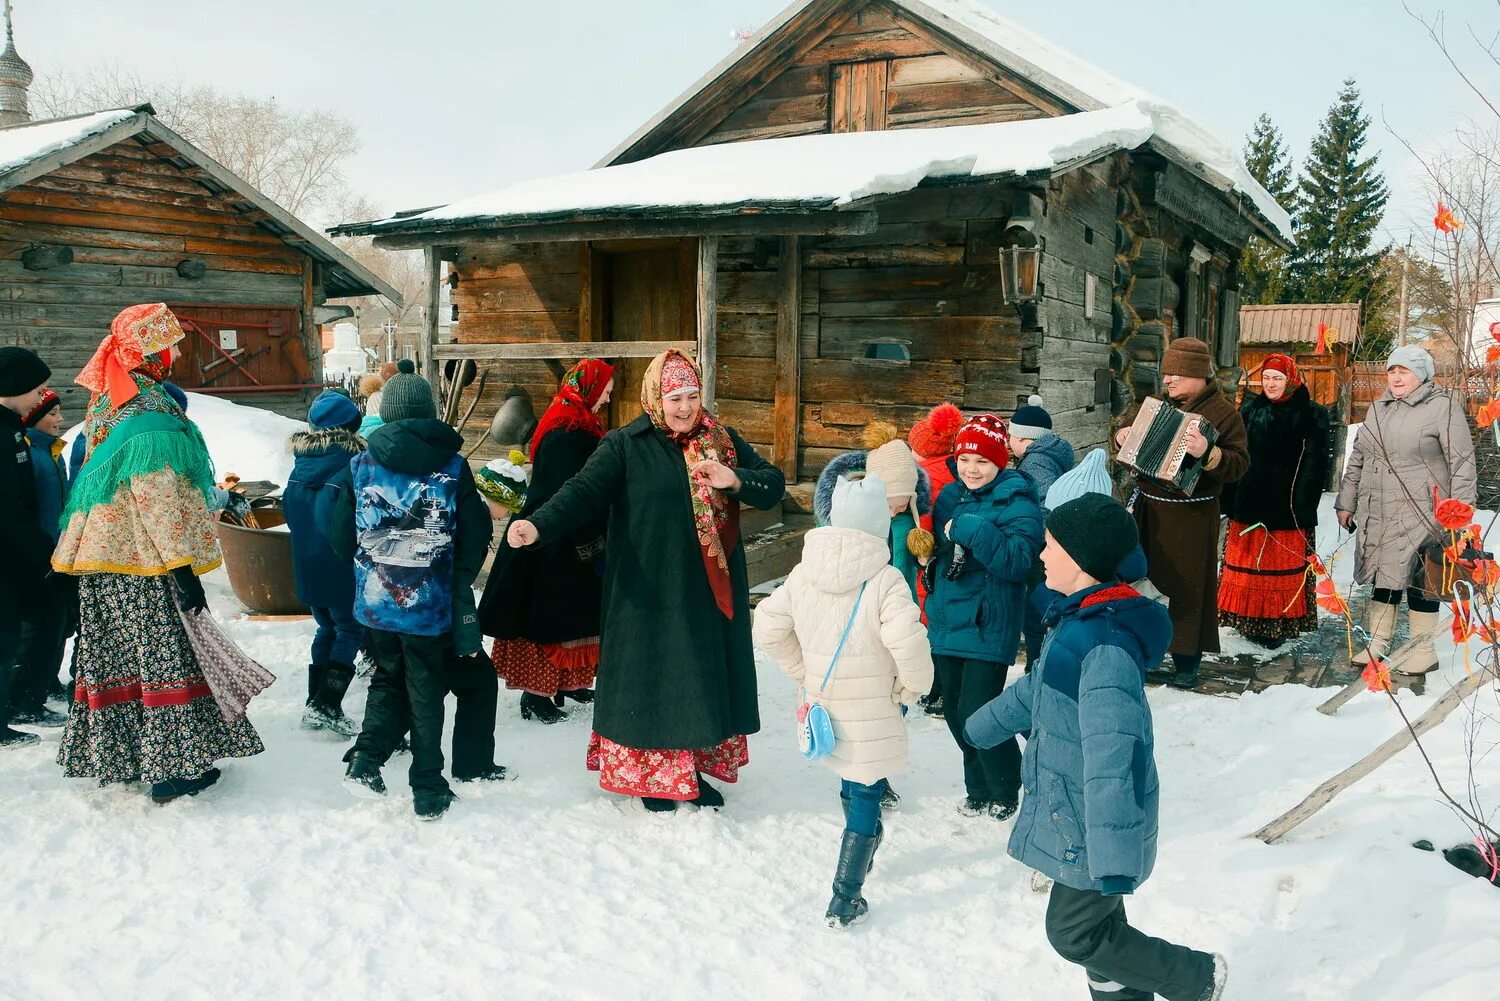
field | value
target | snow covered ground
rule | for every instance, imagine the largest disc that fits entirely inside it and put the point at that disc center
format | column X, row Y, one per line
column 277, row 883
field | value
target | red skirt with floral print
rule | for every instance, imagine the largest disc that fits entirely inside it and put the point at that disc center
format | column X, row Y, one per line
column 547, row 668
column 664, row 774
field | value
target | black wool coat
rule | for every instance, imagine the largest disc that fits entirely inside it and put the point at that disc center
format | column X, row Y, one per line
column 28, row 549
column 1290, row 453
column 674, row 673
column 549, row 594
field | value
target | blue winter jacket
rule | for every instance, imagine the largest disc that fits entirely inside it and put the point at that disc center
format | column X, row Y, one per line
column 977, row 615
column 313, row 491
column 1048, row 458
column 51, row 479
column 1089, row 816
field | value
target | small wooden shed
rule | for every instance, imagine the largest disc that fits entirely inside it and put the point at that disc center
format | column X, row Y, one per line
column 1293, row 330
column 104, row 210
column 870, row 207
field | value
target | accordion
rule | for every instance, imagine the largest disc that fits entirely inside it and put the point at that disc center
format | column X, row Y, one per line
column 1156, row 446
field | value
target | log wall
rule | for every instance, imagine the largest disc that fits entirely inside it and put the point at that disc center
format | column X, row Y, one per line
column 129, row 218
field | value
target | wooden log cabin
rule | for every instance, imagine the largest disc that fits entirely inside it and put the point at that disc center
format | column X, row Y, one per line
column 101, row 211
column 870, row 207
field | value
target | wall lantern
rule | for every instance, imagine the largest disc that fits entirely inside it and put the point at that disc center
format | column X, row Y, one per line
column 1020, row 267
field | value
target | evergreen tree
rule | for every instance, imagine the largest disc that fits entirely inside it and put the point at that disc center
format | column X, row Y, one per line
column 1340, row 201
column 1263, row 269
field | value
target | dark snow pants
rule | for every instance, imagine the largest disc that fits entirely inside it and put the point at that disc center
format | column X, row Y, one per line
column 49, row 613
column 991, row 775
column 407, row 691
column 475, row 686
column 1090, row 929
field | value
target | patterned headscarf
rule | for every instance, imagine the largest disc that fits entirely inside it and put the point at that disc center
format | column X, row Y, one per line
column 1286, row 366
column 127, row 371
column 715, row 515
column 572, row 408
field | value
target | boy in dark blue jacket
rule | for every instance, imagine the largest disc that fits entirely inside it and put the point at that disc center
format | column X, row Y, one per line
column 325, row 582
column 989, row 526
column 1090, row 812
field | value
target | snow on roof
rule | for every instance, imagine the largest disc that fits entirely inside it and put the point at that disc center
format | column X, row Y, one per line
column 826, row 171
column 21, row 144
column 1054, row 69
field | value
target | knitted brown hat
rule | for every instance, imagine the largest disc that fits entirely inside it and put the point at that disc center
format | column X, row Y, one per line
column 1189, row 358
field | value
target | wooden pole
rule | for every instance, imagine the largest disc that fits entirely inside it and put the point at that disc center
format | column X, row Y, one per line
column 428, row 360
column 1401, row 658
column 708, row 314
column 1324, row 794
column 787, row 411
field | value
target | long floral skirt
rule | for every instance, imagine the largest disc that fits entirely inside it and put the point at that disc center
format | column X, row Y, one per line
column 546, row 668
column 142, row 709
column 1266, row 589
column 664, row 774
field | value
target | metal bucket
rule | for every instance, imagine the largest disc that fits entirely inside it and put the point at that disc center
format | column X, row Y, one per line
column 260, row 565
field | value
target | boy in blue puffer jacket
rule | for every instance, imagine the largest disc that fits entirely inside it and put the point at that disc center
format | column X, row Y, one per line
column 989, row 528
column 1090, row 814
column 325, row 583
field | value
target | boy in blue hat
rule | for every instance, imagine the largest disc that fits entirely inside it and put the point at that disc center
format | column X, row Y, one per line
column 325, row 583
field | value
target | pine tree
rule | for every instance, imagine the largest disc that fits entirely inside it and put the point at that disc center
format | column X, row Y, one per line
column 1340, row 200
column 1263, row 269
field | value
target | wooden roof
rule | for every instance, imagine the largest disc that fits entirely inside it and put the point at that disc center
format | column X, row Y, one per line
column 1298, row 323
column 35, row 149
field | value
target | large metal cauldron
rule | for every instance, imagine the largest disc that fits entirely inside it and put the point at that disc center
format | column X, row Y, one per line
column 260, row 564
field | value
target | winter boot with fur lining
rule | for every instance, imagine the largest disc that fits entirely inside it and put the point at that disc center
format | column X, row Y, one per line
column 1382, row 625
column 1423, row 659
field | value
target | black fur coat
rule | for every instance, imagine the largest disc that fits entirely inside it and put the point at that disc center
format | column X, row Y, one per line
column 1290, row 452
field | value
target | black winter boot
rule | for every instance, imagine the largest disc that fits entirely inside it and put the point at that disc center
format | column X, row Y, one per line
column 542, row 708
column 707, row 794
column 311, row 719
column 363, row 775
column 655, row 804
column 165, row 792
column 325, row 711
column 432, row 805
column 16, row 738
column 40, row 716
column 856, row 855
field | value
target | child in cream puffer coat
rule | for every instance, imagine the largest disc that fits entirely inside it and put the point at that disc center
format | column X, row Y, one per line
column 846, row 579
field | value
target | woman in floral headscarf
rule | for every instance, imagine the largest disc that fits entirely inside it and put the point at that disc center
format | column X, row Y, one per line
column 543, row 608
column 676, row 688
column 1266, row 590
column 136, row 533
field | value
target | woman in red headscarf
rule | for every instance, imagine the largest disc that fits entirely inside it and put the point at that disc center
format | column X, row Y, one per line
column 136, row 533
column 677, row 692
column 1266, row 591
column 543, row 607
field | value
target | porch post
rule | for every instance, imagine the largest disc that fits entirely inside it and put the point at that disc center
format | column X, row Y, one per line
column 428, row 359
column 708, row 314
column 787, row 412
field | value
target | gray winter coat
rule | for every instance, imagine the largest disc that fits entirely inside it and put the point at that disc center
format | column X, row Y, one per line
column 1405, row 448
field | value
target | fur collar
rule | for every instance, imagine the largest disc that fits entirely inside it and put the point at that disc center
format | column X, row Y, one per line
column 325, row 440
column 848, row 464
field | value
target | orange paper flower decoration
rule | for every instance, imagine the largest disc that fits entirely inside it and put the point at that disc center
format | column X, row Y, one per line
column 1488, row 414
column 1495, row 330
column 1492, row 354
column 1377, row 676
column 1445, row 220
column 1453, row 514
column 1328, row 598
column 1316, row 562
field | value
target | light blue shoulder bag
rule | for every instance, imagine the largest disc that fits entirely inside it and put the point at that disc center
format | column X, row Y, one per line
column 815, row 734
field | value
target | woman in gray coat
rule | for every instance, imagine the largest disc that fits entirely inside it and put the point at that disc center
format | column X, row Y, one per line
column 1415, row 438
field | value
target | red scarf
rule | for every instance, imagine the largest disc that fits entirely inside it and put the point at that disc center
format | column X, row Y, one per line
column 572, row 408
column 1287, row 367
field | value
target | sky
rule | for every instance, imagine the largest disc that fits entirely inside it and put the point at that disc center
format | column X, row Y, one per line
column 463, row 97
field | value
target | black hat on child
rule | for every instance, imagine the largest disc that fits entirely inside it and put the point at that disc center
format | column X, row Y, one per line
column 1096, row 531
column 21, row 371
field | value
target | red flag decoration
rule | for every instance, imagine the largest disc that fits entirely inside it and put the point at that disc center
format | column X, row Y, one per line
column 1326, row 335
column 1445, row 220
